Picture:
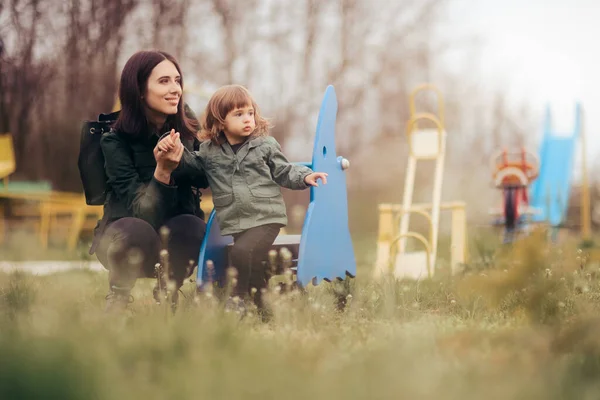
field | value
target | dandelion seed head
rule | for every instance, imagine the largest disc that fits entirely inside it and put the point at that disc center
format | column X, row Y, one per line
column 135, row 256
column 164, row 231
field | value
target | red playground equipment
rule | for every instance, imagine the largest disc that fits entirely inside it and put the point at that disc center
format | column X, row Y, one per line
column 513, row 172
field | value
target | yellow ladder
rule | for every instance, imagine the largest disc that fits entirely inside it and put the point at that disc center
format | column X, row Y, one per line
column 425, row 144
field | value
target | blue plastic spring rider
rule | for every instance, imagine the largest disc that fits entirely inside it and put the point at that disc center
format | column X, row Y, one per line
column 324, row 250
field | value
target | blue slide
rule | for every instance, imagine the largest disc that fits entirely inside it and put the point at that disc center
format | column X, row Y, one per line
column 550, row 191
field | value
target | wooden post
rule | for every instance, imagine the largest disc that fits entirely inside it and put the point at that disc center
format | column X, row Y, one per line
column 586, row 228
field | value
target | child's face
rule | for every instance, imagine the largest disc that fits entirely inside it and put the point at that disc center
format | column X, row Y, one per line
column 239, row 124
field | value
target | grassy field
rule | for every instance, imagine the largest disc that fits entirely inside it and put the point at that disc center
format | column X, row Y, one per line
column 521, row 323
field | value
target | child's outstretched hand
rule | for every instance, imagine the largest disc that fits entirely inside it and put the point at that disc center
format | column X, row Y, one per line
column 311, row 179
column 169, row 142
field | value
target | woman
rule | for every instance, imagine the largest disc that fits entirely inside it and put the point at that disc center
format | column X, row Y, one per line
column 146, row 190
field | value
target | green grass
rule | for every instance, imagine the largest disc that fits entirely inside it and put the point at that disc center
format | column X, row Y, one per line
column 523, row 325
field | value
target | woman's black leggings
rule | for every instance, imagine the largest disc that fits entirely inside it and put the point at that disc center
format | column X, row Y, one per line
column 130, row 249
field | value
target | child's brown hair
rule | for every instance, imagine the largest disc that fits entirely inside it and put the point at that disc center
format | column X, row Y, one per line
column 223, row 101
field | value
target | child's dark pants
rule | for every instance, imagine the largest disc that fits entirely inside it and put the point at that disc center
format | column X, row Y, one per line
column 130, row 249
column 250, row 250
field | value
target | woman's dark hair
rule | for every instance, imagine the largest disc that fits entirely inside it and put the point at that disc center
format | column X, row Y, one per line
column 134, row 79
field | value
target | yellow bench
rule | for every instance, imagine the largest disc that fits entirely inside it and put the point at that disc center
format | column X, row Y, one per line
column 8, row 164
column 49, row 205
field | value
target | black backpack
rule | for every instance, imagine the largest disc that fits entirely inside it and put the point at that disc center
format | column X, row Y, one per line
column 91, row 159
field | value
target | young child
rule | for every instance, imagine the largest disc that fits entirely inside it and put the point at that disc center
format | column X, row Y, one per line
column 245, row 169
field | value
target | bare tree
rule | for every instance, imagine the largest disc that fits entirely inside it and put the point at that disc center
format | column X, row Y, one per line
column 92, row 50
column 169, row 25
column 46, row 93
column 23, row 77
column 285, row 51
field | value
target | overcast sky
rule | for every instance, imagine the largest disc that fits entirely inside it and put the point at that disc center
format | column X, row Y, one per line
column 543, row 51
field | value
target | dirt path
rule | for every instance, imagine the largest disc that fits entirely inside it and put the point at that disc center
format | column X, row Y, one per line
column 48, row 267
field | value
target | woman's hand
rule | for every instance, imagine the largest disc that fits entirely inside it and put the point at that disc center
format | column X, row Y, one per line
column 167, row 153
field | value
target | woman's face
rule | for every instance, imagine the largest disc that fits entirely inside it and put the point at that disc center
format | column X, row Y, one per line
column 163, row 90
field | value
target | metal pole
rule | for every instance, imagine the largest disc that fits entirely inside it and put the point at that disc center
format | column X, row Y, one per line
column 586, row 228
